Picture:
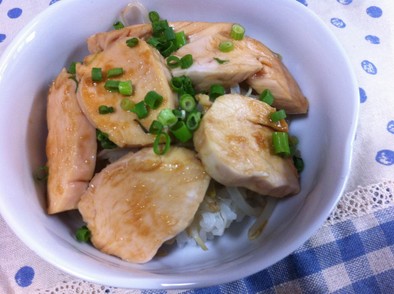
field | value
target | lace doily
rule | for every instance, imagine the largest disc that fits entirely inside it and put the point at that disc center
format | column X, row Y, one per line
column 362, row 201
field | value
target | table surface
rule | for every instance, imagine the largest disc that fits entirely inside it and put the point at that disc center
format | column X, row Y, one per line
column 354, row 251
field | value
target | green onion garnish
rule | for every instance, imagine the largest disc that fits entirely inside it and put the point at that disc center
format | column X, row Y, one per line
column 237, row 32
column 186, row 61
column 118, row 25
column 126, row 104
column 163, row 37
column 158, row 148
column 153, row 99
column 97, row 74
column 187, row 102
column 114, row 72
column 298, row 163
column 179, row 113
column 280, row 141
column 267, row 97
column 193, row 120
column 181, row 132
column 226, row 46
column 167, row 117
column 132, row 42
column 140, row 110
column 83, row 234
column 221, row 61
column 168, row 49
column 125, row 88
column 154, row 16
column 41, row 173
column 278, row 115
column 156, row 127
column 105, row 142
column 215, row 91
column 182, row 85
column 72, row 69
column 103, row 109
column 173, row 61
column 180, row 39
column 112, row 85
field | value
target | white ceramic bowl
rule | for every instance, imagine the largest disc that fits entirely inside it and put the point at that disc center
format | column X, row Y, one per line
column 57, row 37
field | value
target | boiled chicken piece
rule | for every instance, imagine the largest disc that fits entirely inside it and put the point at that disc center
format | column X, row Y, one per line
column 250, row 60
column 137, row 203
column 277, row 78
column 71, row 146
column 143, row 66
column 242, row 154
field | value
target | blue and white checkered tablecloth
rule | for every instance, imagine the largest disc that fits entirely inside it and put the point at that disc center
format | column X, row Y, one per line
column 354, row 251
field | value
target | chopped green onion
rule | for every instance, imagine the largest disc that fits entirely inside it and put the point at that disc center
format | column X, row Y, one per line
column 97, row 74
column 156, row 127
column 41, row 173
column 140, row 110
column 180, row 39
column 154, row 16
column 125, row 88
column 167, row 117
column 169, row 34
column 237, row 32
column 114, row 72
column 103, row 109
column 168, row 49
column 186, row 61
column 182, row 85
column 105, row 142
column 163, row 37
column 83, row 234
column 173, row 61
column 278, row 115
column 118, row 25
column 267, row 97
column 226, row 46
column 158, row 148
column 153, row 99
column 132, row 42
column 72, row 69
column 126, row 104
column 187, row 102
column 193, row 120
column 181, row 132
column 215, row 91
column 280, row 141
column 221, row 61
column 298, row 163
column 112, row 85
column 179, row 113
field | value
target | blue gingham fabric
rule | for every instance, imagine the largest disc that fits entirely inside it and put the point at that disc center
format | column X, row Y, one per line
column 355, row 255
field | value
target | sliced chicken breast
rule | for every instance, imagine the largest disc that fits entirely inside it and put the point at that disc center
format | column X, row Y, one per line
column 71, row 146
column 144, row 67
column 242, row 154
column 210, row 65
column 276, row 77
column 250, row 60
column 137, row 203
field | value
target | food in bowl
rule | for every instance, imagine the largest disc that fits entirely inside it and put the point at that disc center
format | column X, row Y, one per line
column 168, row 131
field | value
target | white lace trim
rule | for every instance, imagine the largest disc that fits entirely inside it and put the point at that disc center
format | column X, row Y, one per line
column 363, row 201
column 360, row 202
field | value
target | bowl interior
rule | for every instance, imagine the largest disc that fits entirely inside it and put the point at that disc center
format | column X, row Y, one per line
column 51, row 42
